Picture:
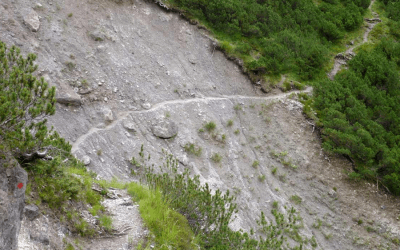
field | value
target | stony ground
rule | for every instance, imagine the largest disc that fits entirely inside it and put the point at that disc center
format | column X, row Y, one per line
column 129, row 73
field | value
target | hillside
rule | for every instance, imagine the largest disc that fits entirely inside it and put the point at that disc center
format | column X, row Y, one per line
column 132, row 74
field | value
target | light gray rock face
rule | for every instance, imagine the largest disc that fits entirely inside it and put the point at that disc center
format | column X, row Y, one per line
column 13, row 181
column 165, row 129
column 32, row 21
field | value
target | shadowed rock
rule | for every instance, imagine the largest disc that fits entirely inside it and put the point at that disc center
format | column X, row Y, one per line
column 32, row 21
column 165, row 129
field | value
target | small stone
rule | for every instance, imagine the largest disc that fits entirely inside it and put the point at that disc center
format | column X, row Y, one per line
column 31, row 212
column 332, row 193
column 97, row 36
column 108, row 115
column 86, row 160
column 130, row 126
column 100, row 83
column 146, row 105
column 105, row 99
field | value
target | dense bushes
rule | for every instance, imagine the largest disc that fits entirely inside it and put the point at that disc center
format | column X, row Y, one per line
column 282, row 36
column 360, row 113
column 392, row 8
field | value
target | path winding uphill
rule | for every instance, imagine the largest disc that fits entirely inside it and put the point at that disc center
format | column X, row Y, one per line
column 342, row 58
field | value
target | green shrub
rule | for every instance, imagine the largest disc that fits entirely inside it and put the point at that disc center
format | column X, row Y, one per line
column 209, row 212
column 255, row 164
column 216, row 158
column 193, row 149
column 210, row 126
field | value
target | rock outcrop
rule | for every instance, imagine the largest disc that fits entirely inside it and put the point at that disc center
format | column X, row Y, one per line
column 13, row 181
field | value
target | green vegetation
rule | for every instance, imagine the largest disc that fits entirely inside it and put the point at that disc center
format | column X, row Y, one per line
column 210, row 126
column 229, row 123
column 274, row 37
column 170, row 228
column 255, row 164
column 359, row 114
column 25, row 102
column 216, row 158
column 296, row 199
column 193, row 149
column 208, row 212
column 56, row 180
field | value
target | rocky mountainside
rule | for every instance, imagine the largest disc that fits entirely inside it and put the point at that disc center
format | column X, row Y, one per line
column 129, row 73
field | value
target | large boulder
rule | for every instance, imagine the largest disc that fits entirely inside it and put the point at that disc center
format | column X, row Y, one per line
column 32, row 21
column 13, row 181
column 165, row 129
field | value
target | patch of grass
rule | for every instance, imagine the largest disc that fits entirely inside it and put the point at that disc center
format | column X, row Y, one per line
column 70, row 65
column 317, row 224
column 255, row 164
column 274, row 170
column 296, row 199
column 170, row 228
column 237, row 107
column 261, row 178
column 193, row 149
column 210, row 126
column 275, row 205
column 106, row 222
column 237, row 132
column 216, row 158
column 69, row 247
column 229, row 123
column 70, row 15
column 99, row 152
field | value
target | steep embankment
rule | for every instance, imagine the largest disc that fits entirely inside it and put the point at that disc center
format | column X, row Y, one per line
column 141, row 73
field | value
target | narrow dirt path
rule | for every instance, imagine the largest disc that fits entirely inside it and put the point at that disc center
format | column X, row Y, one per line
column 157, row 106
column 342, row 58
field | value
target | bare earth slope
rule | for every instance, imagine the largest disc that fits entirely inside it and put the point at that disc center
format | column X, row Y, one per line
column 137, row 69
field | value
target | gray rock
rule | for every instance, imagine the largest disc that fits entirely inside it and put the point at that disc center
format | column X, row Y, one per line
column 31, row 212
column 332, row 193
column 340, row 56
column 13, row 181
column 32, row 21
column 108, row 115
column 86, row 160
column 130, row 126
column 165, row 129
column 97, row 36
column 42, row 238
column 146, row 105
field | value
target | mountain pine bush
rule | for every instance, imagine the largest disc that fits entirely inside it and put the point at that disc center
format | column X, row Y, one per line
column 25, row 102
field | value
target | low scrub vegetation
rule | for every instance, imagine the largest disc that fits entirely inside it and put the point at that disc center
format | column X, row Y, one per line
column 273, row 37
column 359, row 117
column 209, row 213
